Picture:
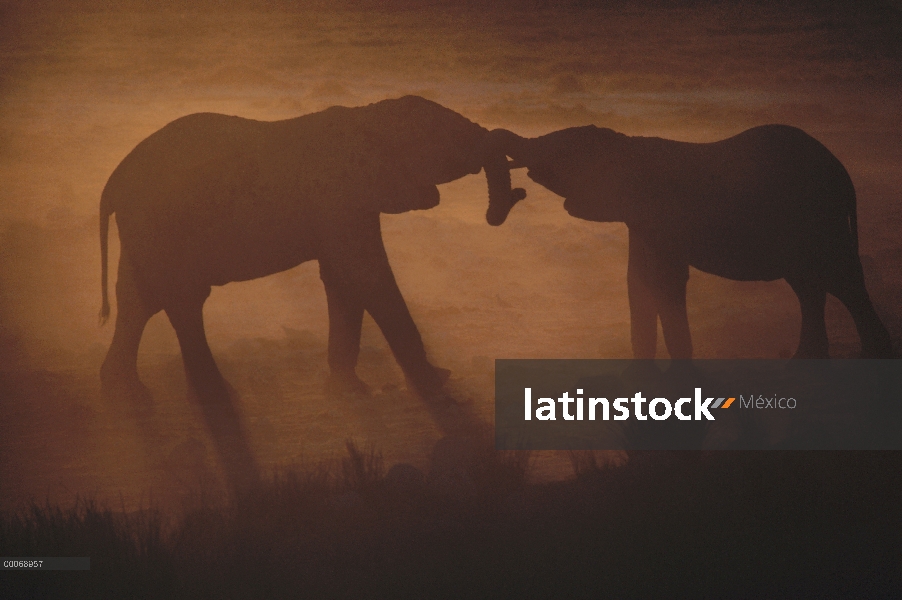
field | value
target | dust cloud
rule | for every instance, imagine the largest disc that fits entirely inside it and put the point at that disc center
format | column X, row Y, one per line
column 81, row 85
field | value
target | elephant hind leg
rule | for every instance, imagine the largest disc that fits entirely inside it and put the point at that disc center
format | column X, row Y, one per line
column 813, row 342
column 847, row 284
column 119, row 373
column 186, row 316
column 219, row 410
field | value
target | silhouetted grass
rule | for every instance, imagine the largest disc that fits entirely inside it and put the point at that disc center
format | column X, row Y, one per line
column 129, row 552
column 361, row 470
column 724, row 524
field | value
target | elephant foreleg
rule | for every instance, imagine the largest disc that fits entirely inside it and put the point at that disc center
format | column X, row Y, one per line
column 345, row 323
column 670, row 293
column 643, row 311
column 355, row 260
column 656, row 280
column 390, row 312
column 119, row 373
column 813, row 342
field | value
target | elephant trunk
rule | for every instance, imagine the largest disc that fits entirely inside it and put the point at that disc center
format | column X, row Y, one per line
column 499, row 144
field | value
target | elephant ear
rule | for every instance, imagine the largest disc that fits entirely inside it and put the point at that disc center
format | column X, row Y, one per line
column 379, row 180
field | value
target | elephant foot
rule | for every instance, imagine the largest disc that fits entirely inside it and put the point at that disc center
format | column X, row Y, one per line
column 443, row 374
column 441, row 400
column 119, row 386
column 343, row 382
column 818, row 347
column 431, row 385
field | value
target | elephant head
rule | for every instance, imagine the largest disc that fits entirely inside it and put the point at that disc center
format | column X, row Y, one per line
column 584, row 165
column 424, row 144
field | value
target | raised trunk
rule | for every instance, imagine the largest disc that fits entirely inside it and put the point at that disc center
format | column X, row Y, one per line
column 500, row 143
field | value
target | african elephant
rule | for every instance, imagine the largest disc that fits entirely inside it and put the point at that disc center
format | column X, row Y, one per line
column 211, row 199
column 769, row 203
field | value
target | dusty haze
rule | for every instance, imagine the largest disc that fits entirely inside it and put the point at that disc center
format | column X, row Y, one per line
column 80, row 87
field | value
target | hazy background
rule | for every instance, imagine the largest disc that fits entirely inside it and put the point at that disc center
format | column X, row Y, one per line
column 82, row 83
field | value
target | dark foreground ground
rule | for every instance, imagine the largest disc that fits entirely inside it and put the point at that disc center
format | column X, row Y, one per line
column 737, row 525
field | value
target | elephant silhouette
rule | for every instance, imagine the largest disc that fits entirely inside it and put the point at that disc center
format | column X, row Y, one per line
column 211, row 199
column 769, row 203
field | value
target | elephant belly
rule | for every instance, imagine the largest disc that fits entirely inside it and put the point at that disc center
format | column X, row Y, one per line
column 740, row 264
column 191, row 252
column 765, row 255
column 250, row 252
column 252, row 263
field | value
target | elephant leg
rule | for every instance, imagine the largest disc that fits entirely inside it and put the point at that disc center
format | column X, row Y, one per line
column 847, row 284
column 355, row 259
column 671, row 277
column 643, row 309
column 388, row 309
column 345, row 323
column 186, row 315
column 119, row 373
column 813, row 341
column 217, row 406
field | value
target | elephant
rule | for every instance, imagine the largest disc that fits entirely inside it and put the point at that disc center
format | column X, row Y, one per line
column 768, row 203
column 211, row 199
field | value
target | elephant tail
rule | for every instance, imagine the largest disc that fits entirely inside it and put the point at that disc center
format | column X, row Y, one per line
column 105, row 211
